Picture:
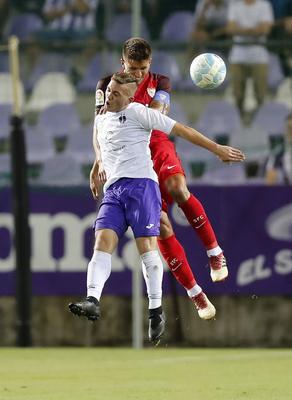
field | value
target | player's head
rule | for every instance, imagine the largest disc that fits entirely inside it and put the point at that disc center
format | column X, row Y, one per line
column 136, row 57
column 288, row 133
column 120, row 91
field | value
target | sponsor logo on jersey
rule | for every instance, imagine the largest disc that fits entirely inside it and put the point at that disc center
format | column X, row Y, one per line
column 170, row 166
column 151, row 91
column 99, row 98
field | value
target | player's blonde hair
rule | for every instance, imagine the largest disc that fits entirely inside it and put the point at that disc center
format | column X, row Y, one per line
column 124, row 77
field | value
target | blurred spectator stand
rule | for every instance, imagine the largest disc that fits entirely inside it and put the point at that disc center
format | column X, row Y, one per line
column 249, row 21
column 69, row 19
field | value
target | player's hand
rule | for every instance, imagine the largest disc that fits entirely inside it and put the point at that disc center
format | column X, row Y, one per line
column 229, row 154
column 101, row 175
column 102, row 110
column 97, row 179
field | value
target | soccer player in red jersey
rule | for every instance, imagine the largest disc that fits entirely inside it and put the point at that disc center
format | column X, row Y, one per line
column 154, row 91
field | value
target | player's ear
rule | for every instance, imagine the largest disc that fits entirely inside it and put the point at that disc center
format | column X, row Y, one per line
column 131, row 99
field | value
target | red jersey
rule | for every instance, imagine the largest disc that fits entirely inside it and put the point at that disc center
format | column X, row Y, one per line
column 144, row 95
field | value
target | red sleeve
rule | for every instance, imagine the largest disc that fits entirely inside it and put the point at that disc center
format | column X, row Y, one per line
column 163, row 83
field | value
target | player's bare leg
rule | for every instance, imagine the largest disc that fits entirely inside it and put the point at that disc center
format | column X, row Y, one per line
column 196, row 215
column 175, row 257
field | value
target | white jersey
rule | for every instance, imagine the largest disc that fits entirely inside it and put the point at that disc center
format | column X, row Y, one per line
column 124, row 138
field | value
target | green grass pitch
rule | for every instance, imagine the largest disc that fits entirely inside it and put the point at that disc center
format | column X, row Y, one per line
column 149, row 374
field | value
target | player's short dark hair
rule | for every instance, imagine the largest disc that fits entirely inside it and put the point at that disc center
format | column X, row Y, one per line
column 137, row 49
column 124, row 78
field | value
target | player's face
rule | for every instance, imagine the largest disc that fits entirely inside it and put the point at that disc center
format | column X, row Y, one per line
column 137, row 68
column 116, row 97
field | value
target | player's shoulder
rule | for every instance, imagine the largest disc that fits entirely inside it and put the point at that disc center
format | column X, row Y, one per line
column 162, row 81
column 158, row 77
column 135, row 111
column 135, row 107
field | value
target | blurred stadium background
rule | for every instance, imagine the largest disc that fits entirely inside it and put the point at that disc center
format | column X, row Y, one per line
column 58, row 75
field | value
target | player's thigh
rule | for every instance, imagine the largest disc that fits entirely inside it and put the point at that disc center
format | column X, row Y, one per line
column 145, row 244
column 106, row 240
column 144, row 208
column 111, row 215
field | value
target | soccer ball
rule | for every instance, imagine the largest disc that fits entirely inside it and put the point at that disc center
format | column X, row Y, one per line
column 208, row 71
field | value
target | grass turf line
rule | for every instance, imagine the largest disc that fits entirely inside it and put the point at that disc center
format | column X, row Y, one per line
column 149, row 374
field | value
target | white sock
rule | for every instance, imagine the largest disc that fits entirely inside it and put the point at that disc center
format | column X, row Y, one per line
column 98, row 272
column 152, row 268
column 194, row 291
column 214, row 252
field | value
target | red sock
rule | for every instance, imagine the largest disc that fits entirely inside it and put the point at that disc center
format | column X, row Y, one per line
column 197, row 217
column 175, row 256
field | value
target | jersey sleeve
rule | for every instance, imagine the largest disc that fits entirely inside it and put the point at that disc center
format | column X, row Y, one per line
column 163, row 84
column 162, row 94
column 152, row 119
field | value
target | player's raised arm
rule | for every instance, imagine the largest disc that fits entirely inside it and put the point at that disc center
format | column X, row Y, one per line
column 225, row 153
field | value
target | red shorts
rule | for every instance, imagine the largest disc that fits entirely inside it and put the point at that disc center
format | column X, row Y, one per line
column 166, row 163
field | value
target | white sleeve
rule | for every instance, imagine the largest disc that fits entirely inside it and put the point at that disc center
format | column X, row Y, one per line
column 154, row 119
column 267, row 13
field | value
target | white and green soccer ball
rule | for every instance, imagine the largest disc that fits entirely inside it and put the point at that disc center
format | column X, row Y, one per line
column 208, row 71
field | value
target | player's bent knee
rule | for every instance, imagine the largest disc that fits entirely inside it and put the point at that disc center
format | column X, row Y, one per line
column 177, row 188
column 179, row 193
column 106, row 240
column 145, row 244
column 165, row 227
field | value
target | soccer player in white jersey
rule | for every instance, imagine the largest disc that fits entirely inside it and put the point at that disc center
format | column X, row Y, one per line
column 131, row 194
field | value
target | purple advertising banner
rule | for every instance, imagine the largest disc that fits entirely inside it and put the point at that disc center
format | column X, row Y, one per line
column 253, row 225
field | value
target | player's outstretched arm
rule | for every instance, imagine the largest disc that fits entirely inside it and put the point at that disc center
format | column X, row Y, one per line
column 225, row 153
